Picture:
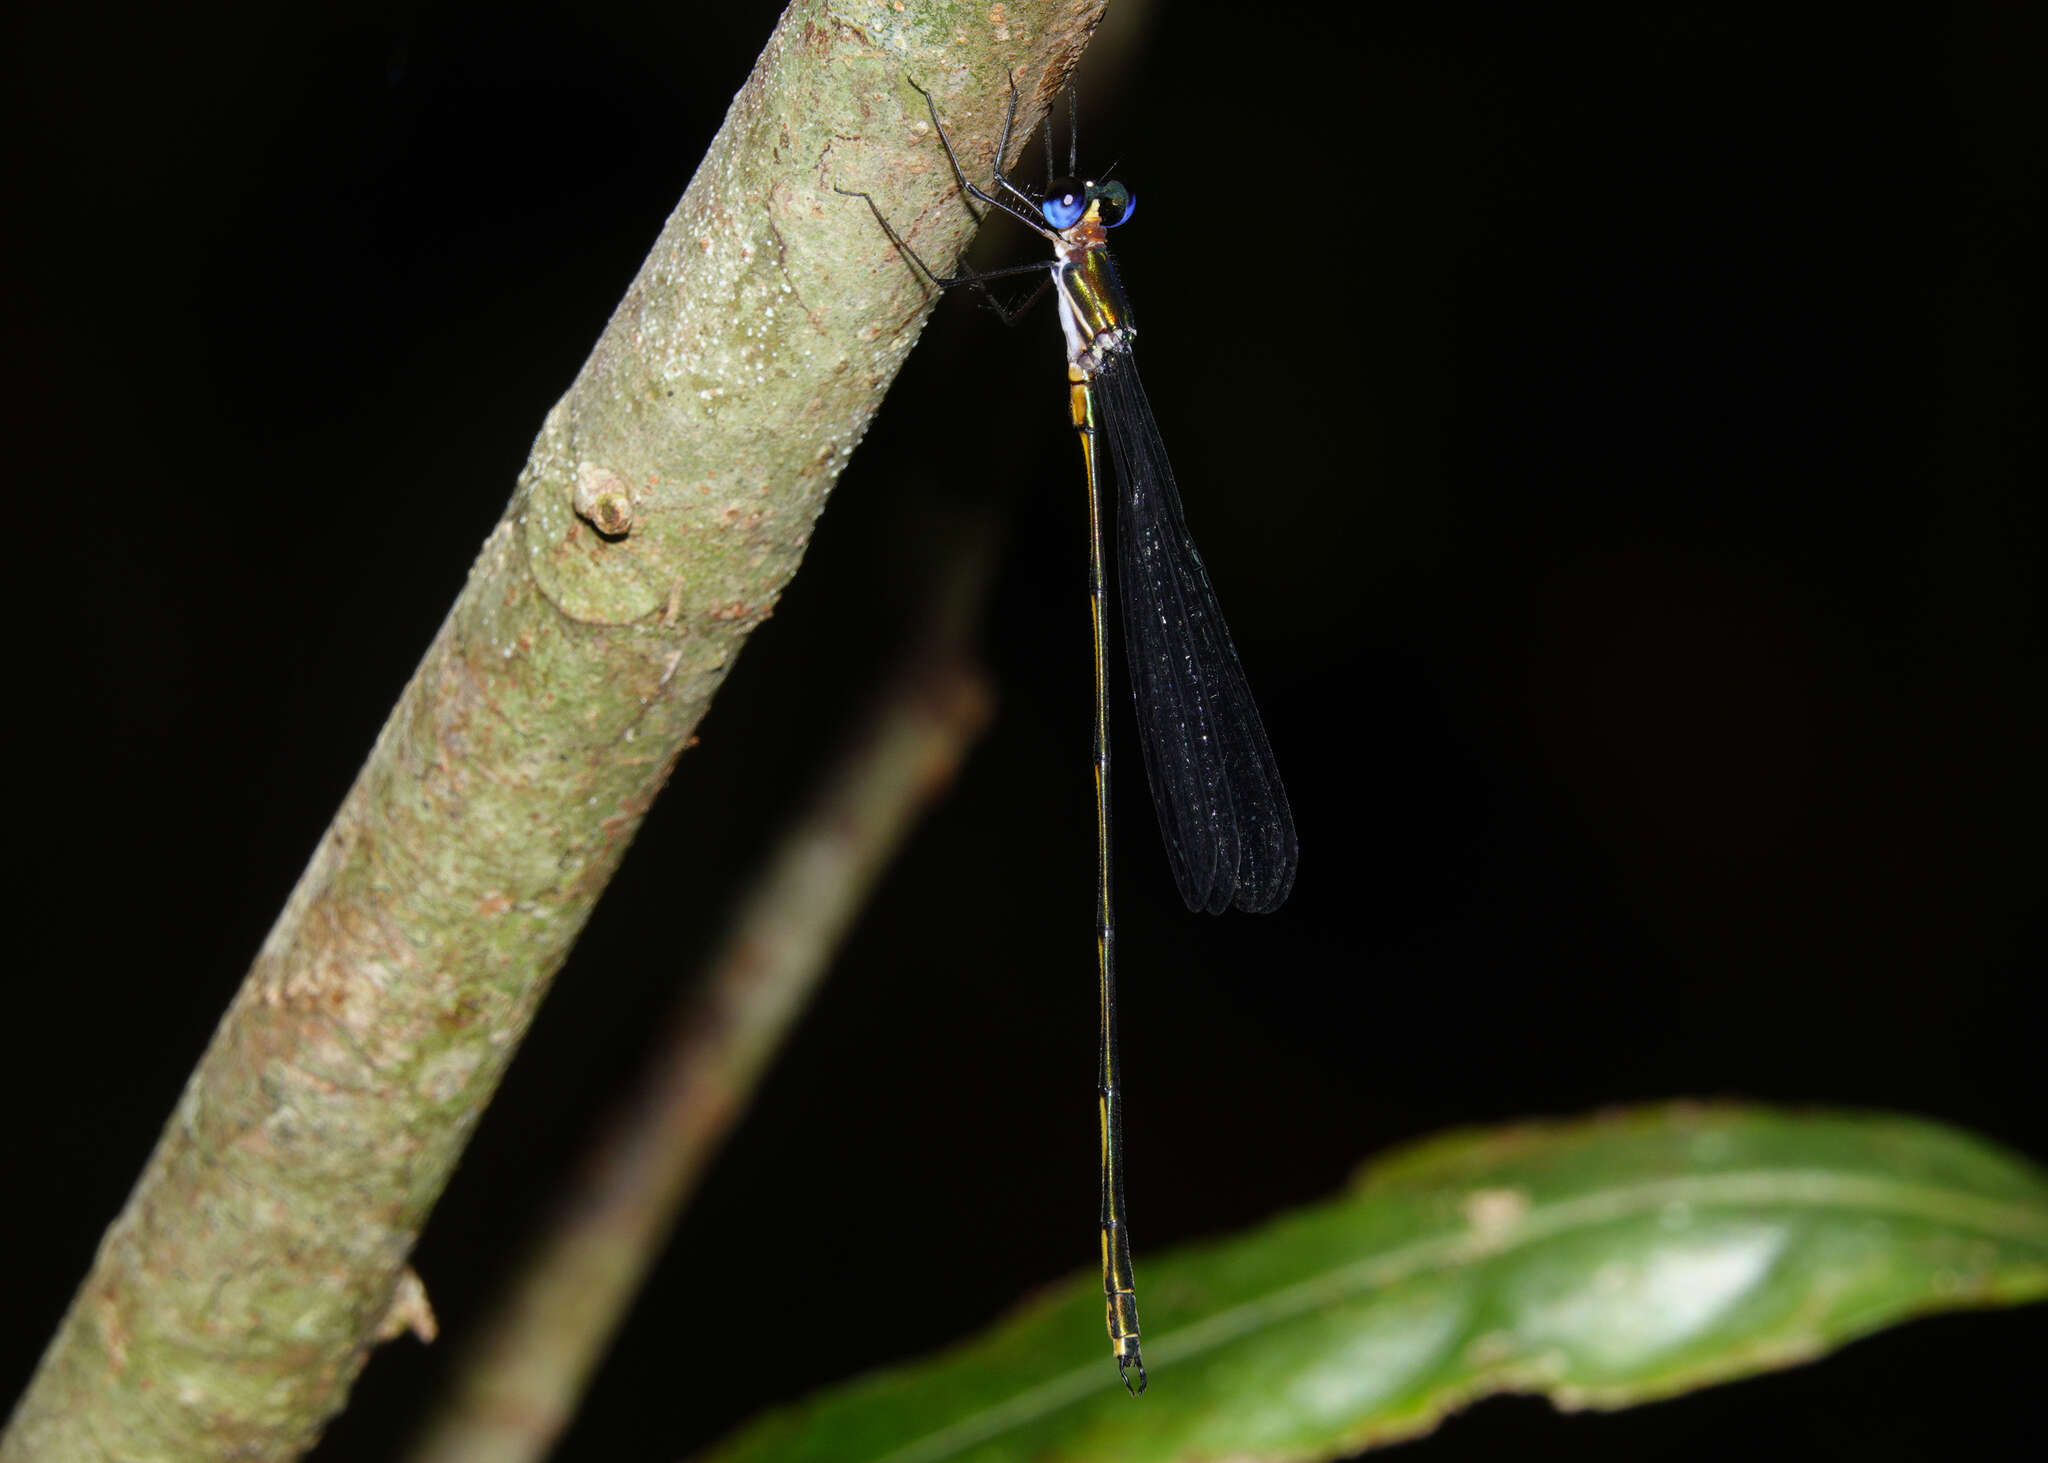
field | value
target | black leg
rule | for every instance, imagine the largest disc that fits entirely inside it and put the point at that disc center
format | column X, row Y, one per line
column 1032, row 219
column 1049, row 179
column 940, row 281
column 1010, row 315
column 1073, row 129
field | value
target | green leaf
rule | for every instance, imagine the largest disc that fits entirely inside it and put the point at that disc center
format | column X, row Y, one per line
column 1600, row 1262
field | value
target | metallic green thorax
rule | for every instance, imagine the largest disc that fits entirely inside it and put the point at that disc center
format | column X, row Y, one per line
column 1093, row 311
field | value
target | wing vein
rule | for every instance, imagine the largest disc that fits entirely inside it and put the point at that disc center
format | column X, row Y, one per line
column 1223, row 813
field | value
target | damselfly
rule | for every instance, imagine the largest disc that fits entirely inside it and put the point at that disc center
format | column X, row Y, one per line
column 1228, row 830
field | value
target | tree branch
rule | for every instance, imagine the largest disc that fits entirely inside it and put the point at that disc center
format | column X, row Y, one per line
column 665, row 505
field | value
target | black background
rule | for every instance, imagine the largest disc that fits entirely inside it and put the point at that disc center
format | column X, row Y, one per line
column 1614, row 437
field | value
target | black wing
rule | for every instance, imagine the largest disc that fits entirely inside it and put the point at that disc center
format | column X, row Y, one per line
column 1222, row 811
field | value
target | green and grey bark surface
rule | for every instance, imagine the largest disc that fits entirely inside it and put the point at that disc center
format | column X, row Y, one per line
column 667, row 501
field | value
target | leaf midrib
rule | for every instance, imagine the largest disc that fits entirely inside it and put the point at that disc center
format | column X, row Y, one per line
column 1800, row 1188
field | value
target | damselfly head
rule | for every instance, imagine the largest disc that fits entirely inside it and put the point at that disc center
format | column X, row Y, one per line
column 1067, row 201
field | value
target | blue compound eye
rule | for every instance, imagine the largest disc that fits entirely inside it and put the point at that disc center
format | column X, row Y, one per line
column 1118, row 203
column 1065, row 201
